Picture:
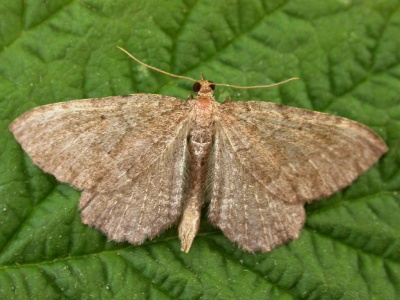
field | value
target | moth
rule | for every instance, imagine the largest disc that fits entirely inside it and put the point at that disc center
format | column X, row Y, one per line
column 146, row 162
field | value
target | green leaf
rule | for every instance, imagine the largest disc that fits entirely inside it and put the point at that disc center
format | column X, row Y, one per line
column 346, row 54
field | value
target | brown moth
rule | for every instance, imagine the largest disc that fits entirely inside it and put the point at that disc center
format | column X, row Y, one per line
column 145, row 162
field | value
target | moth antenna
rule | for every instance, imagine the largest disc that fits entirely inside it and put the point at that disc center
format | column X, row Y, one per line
column 202, row 76
column 154, row 68
column 255, row 86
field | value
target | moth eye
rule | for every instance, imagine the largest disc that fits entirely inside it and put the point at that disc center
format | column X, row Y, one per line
column 212, row 85
column 196, row 87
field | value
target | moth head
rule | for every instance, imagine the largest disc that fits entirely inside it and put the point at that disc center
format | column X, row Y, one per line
column 203, row 86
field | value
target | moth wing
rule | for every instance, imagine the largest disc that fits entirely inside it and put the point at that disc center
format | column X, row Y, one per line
column 147, row 205
column 302, row 154
column 128, row 154
column 246, row 211
column 270, row 159
column 101, row 144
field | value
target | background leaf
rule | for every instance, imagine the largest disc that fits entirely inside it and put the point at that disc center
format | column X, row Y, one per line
column 347, row 56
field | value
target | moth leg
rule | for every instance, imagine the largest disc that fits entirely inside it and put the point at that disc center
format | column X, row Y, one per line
column 227, row 100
